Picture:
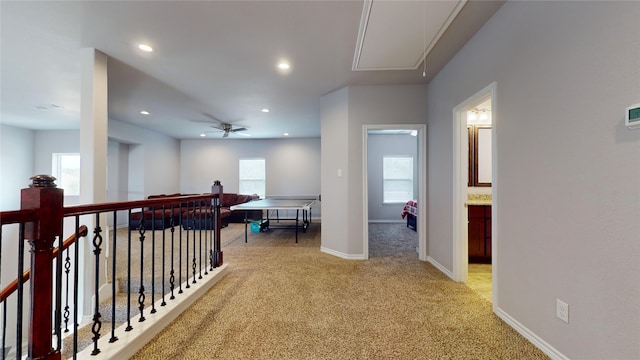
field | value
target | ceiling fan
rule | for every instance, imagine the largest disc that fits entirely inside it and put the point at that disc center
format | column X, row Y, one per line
column 226, row 128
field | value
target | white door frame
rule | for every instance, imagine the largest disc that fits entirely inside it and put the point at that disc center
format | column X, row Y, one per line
column 461, row 175
column 421, row 221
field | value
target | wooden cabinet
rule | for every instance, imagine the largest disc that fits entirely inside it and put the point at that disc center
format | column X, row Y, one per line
column 479, row 233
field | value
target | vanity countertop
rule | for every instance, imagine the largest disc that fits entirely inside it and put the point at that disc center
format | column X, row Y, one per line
column 479, row 199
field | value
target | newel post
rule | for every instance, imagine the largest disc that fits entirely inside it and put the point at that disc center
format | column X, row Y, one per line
column 216, row 188
column 43, row 196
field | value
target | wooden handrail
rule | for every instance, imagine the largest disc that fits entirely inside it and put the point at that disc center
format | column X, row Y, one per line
column 75, row 210
column 13, row 286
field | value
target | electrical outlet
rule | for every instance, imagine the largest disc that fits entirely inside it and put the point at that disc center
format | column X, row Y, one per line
column 562, row 310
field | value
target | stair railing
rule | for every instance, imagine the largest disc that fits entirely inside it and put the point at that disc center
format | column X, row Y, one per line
column 187, row 245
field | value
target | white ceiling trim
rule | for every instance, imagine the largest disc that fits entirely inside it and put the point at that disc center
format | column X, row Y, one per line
column 401, row 47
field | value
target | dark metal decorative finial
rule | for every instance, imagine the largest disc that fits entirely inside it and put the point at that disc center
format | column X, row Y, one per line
column 42, row 181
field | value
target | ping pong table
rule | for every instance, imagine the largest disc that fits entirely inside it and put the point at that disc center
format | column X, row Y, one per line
column 299, row 205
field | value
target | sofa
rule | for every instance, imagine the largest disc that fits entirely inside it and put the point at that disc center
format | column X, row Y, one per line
column 193, row 217
column 157, row 219
column 202, row 218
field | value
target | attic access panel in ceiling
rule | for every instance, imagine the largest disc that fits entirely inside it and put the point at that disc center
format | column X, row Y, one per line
column 397, row 35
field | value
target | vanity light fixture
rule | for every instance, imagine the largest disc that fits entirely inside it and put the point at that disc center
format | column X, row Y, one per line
column 478, row 114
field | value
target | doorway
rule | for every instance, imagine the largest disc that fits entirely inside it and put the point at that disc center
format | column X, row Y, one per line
column 419, row 132
column 472, row 190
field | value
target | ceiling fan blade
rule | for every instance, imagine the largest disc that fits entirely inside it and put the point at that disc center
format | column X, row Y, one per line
column 226, row 134
column 201, row 121
column 212, row 118
column 239, row 129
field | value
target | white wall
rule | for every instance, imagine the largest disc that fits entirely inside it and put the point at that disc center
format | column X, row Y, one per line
column 16, row 164
column 388, row 145
column 568, row 171
column 16, row 167
column 335, row 170
column 342, row 133
column 46, row 143
column 117, row 178
column 292, row 165
column 154, row 160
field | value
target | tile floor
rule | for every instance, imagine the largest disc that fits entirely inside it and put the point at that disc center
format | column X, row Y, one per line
column 480, row 279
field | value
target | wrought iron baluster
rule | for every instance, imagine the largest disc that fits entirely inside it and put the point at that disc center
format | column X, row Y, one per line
column 97, row 324
column 206, row 242
column 141, row 296
column 180, row 257
column 76, row 275
column 113, row 337
column 141, row 225
column 203, row 222
column 57, row 325
column 20, row 292
column 193, row 259
column 186, row 256
column 172, row 273
column 67, row 270
column 214, row 223
column 164, row 268
column 153, row 265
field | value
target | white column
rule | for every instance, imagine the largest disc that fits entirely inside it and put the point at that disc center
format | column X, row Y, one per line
column 93, row 164
column 93, row 127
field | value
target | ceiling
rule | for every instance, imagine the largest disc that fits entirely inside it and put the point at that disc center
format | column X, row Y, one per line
column 218, row 59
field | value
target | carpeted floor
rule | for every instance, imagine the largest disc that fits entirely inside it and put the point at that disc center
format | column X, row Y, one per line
column 282, row 300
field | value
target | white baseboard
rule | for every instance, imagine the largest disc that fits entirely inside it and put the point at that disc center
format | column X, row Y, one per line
column 129, row 342
column 545, row 347
column 342, row 255
column 440, row 267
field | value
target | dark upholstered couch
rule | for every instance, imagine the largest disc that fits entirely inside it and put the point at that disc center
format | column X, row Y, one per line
column 201, row 218
column 193, row 217
column 157, row 219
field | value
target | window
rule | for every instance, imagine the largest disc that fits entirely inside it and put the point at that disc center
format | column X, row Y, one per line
column 252, row 177
column 66, row 169
column 397, row 178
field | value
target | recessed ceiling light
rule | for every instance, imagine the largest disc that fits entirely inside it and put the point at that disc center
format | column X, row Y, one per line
column 286, row 134
column 145, row 47
column 284, row 66
column 203, row 135
column 144, row 112
column 265, row 110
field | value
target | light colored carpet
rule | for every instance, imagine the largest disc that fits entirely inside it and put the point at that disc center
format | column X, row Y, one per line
column 282, row 300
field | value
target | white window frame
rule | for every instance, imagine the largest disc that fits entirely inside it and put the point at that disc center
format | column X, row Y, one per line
column 69, row 179
column 242, row 189
column 387, row 178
